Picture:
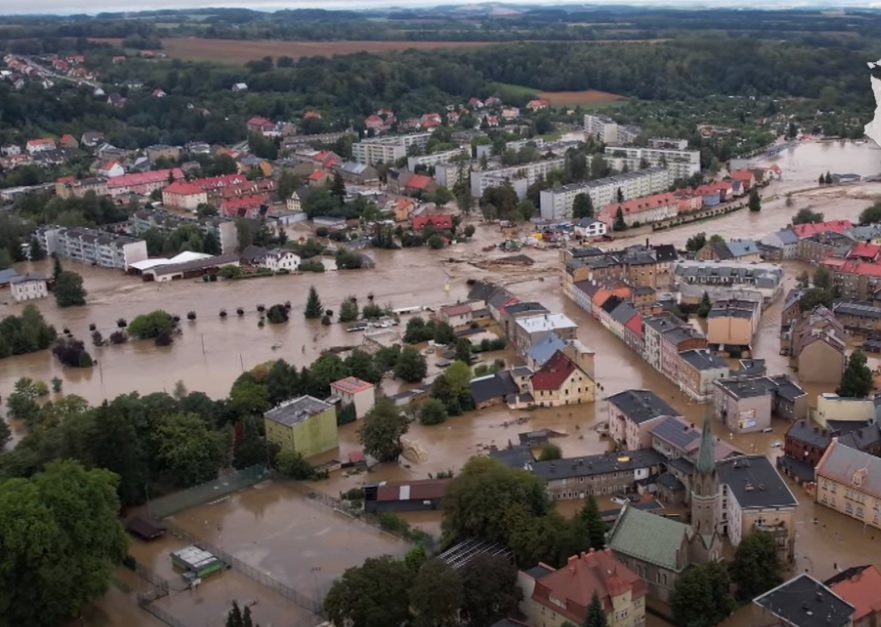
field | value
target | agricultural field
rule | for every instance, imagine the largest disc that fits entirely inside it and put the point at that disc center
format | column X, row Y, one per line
column 588, row 98
column 236, row 51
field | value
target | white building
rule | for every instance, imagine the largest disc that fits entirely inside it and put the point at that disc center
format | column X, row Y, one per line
column 99, row 248
column 588, row 227
column 482, row 180
column 608, row 131
column 449, row 174
column 280, row 259
column 681, row 163
column 556, row 203
column 354, row 391
column 387, row 149
column 31, row 286
column 434, row 159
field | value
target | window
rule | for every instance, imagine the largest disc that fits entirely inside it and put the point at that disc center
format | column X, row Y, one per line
column 848, row 507
column 860, row 513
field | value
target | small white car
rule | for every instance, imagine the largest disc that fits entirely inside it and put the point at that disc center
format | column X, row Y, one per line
column 775, row 444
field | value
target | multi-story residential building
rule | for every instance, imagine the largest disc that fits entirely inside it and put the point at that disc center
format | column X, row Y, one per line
column 744, row 250
column 520, row 176
column 554, row 597
column 531, row 330
column 625, row 322
column 820, row 246
column 561, row 381
column 698, row 369
column 444, row 156
column 514, row 311
column 30, row 286
column 387, row 149
column 848, row 482
column 677, row 439
column 664, row 338
column 732, row 323
column 99, row 248
column 860, row 318
column 354, row 391
column 854, row 279
column 606, row 130
column 632, row 413
column 639, row 211
column 682, row 164
column 184, row 195
column 838, row 409
column 743, row 404
column 807, row 442
column 305, row 425
column 605, row 474
column 780, row 245
column 717, row 278
column 817, row 347
column 785, row 605
column 222, row 228
column 556, row 203
column 659, row 549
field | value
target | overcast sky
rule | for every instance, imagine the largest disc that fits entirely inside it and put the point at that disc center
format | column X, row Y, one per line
column 96, row 6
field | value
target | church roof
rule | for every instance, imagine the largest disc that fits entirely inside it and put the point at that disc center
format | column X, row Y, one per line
column 705, row 458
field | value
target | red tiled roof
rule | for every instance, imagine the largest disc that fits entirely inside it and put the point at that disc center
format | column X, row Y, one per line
column 855, row 267
column 243, row 204
column 456, row 310
column 575, row 584
column 419, row 181
column 812, row 228
column 554, row 373
column 67, row 139
column 351, row 385
column 45, row 141
column 863, row 591
column 418, row 490
column 862, row 249
column 259, row 121
column 439, row 221
column 183, row 188
column 317, row 175
column 142, row 178
column 635, row 325
column 742, row 175
column 646, row 203
column 312, row 115
column 213, row 183
column 65, row 179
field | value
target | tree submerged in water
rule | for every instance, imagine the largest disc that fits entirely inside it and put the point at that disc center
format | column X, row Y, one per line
column 314, row 310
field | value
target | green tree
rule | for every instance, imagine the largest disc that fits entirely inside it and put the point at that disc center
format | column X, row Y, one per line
column 314, row 310
column 593, row 523
column 856, row 381
column 619, row 224
column 701, row 597
column 253, row 448
column 281, row 383
column 823, row 278
column 338, row 187
column 362, row 365
column 696, row 242
column 828, row 178
column 755, row 201
column 814, row 297
column 349, row 310
column 582, row 206
column 375, row 594
column 463, row 350
column 871, row 215
column 479, row 499
column 56, row 267
column 490, row 590
column 68, row 289
column 292, row 464
column 415, row 558
column 189, row 451
column 442, row 196
column 756, row 567
column 382, row 429
column 469, row 231
column 703, row 309
column 36, row 252
column 411, row 366
column 619, row 195
column 435, row 242
column 550, row 452
column 525, row 210
column 596, row 617
column 5, row 433
column 807, row 216
column 432, row 412
column 436, row 595
column 118, row 446
column 151, row 325
column 444, row 334
column 65, row 512
column 288, row 183
column 237, row 618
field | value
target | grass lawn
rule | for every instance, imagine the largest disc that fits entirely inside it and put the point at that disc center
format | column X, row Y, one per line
column 512, row 91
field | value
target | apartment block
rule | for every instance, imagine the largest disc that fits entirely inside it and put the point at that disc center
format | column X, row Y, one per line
column 681, row 163
column 223, row 229
column 525, row 172
column 90, row 246
column 387, row 149
column 556, row 203
column 717, row 278
column 608, row 131
column 438, row 157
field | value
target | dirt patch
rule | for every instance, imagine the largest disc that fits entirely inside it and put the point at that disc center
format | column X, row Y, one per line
column 235, row 51
column 588, row 96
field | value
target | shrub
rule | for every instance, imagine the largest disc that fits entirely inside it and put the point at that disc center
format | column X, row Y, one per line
column 118, row 337
column 152, row 325
column 277, row 314
column 346, row 415
column 72, row 353
column 311, row 266
column 432, row 412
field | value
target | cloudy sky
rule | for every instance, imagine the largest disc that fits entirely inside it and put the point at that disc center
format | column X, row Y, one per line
column 96, row 6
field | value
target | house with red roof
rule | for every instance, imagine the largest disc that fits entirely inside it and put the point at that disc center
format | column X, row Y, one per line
column 537, row 105
column 745, row 178
column 863, row 251
column 560, row 381
column 68, row 141
column 813, row 228
column 311, row 115
column 374, row 123
column 440, row 221
column 261, row 125
column 418, row 184
column 642, row 210
column 327, row 159
column 354, row 391
column 142, row 183
column 430, row 120
column 318, row 177
column 40, row 145
column 158, row 93
column 457, row 316
column 184, row 195
column 244, row 206
column 110, row 169
column 861, row 587
column 552, row 597
column 492, row 121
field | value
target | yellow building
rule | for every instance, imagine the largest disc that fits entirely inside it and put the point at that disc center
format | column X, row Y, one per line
column 561, row 381
column 849, row 481
column 306, row 425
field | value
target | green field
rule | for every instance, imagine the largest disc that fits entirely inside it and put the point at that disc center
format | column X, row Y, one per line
column 503, row 90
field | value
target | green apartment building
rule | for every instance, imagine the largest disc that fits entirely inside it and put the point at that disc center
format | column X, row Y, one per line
column 305, row 424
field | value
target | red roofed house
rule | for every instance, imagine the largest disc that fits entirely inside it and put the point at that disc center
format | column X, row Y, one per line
column 812, row 228
column 312, row 115
column 861, row 251
column 537, row 105
column 68, row 141
column 184, row 195
column 159, row 93
column 419, row 183
column 318, row 177
column 643, row 210
column 142, row 182
column 244, row 206
column 440, row 221
column 259, row 124
column 327, row 159
column 402, row 496
column 354, row 391
column 861, row 587
column 745, row 177
column 430, row 120
column 374, row 122
column 561, row 382
column 552, row 597
column 110, row 169
column 39, row 145
column 457, row 316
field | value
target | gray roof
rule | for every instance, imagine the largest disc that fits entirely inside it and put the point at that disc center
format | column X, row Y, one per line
column 7, row 275
column 623, row 312
column 862, row 438
column 675, row 433
column 798, row 468
column 670, row 482
column 537, row 572
column 682, row 464
column 786, row 388
column 754, row 482
column 787, row 236
column 859, row 310
column 805, row 602
column 297, row 410
column 493, row 386
column 518, row 456
column 546, row 348
column 649, row 538
column 703, row 359
column 733, row 309
column 481, row 290
column 750, row 367
column 746, row 388
column 499, row 297
column 841, row 462
column 641, row 405
column 521, row 371
column 30, row 276
column 521, row 308
column 809, row 433
column 739, row 248
column 592, row 465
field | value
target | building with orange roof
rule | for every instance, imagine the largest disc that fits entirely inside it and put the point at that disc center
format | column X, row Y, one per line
column 68, row 141
column 745, row 177
column 184, row 195
column 812, row 228
column 864, row 251
column 553, row 597
column 354, row 391
column 856, row 280
column 861, row 587
column 560, row 381
column 641, row 210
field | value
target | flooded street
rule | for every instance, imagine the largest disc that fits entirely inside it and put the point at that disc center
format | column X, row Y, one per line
column 273, row 527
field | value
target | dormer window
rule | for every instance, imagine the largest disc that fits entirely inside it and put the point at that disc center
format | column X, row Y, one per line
column 858, row 476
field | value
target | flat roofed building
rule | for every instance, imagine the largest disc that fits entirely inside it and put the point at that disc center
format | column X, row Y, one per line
column 305, row 424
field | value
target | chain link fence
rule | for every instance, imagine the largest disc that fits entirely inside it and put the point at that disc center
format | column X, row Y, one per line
column 206, row 492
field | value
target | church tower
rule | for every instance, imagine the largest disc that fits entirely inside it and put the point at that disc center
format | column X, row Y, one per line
column 705, row 486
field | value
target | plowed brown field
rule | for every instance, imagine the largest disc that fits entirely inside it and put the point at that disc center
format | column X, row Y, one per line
column 586, row 97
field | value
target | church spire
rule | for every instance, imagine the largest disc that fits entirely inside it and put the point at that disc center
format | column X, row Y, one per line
column 706, row 459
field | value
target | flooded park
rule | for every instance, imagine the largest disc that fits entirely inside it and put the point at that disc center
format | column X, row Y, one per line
column 275, row 527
